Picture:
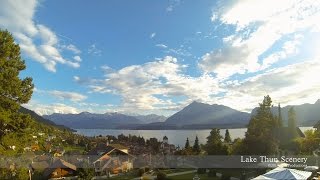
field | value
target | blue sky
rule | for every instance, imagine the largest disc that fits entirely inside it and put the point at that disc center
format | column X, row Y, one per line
column 158, row 56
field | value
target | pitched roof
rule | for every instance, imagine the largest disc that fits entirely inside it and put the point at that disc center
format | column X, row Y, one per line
column 118, row 146
column 40, row 165
column 317, row 125
column 59, row 163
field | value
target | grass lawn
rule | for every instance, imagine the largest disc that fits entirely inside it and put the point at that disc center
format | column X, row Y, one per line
column 191, row 175
column 129, row 175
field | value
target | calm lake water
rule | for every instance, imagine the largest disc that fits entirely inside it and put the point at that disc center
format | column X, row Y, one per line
column 177, row 137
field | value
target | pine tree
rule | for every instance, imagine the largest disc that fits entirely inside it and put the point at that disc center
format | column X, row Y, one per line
column 196, row 146
column 292, row 123
column 227, row 137
column 214, row 144
column 13, row 90
column 280, row 123
column 187, row 145
column 261, row 137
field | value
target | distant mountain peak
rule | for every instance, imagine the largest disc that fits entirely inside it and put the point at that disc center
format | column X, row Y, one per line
column 318, row 101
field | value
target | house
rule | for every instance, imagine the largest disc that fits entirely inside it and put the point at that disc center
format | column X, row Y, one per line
column 317, row 126
column 165, row 147
column 284, row 135
column 60, row 169
column 111, row 159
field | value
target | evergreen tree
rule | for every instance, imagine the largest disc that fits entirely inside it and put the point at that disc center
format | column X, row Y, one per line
column 260, row 137
column 292, row 123
column 227, row 137
column 196, row 146
column 280, row 123
column 187, row 145
column 13, row 90
column 214, row 144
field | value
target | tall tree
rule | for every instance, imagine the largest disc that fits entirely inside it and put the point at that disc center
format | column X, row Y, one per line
column 13, row 90
column 187, row 145
column 292, row 123
column 214, row 145
column 260, row 137
column 196, row 146
column 280, row 123
column 227, row 137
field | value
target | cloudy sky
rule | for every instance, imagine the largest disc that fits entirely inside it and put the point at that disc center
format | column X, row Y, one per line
column 158, row 56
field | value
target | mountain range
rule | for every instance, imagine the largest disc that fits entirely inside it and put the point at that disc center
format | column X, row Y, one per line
column 41, row 119
column 306, row 114
column 194, row 116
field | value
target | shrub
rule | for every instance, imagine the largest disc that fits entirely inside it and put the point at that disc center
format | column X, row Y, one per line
column 201, row 171
column 161, row 176
column 212, row 173
column 140, row 172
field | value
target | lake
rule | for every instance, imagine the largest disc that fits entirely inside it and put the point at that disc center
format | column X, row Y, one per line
column 177, row 137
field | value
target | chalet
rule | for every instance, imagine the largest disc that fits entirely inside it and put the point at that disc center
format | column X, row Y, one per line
column 317, row 126
column 111, row 159
column 60, row 169
column 167, row 148
column 284, row 135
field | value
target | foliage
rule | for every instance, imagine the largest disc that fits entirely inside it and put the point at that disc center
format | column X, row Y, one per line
column 13, row 90
column 292, row 123
column 214, row 145
column 310, row 143
column 212, row 173
column 260, row 138
column 187, row 145
column 196, row 146
column 227, row 138
column 201, row 171
column 140, row 172
column 161, row 176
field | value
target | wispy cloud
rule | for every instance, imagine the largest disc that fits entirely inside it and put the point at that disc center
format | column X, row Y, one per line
column 259, row 25
column 140, row 85
column 152, row 35
column 18, row 18
column 93, row 49
column 77, row 58
column 161, row 46
column 172, row 5
column 65, row 95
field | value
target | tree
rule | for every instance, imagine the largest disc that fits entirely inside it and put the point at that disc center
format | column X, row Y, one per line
column 196, row 146
column 260, row 137
column 280, row 123
column 15, row 127
column 214, row 145
column 292, row 123
column 187, row 145
column 13, row 90
column 227, row 138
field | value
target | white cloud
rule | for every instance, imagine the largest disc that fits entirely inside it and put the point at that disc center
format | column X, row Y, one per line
column 259, row 25
column 152, row 35
column 71, row 48
column 72, row 96
column 77, row 58
column 289, row 85
column 172, row 5
column 17, row 17
column 161, row 46
column 47, row 109
column 93, row 49
column 151, row 86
